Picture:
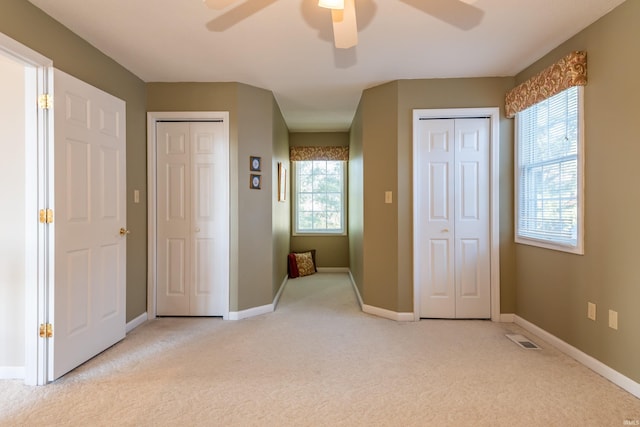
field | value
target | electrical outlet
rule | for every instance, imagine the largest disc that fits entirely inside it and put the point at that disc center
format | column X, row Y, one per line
column 613, row 319
column 591, row 311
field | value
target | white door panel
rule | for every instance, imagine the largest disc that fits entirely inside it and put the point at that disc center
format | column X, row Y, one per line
column 435, row 178
column 88, row 304
column 452, row 224
column 174, row 211
column 472, row 225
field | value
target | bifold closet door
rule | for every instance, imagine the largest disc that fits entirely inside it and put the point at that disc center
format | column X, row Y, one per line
column 192, row 219
column 453, row 250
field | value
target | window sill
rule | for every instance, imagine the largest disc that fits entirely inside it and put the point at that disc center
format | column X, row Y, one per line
column 576, row 250
column 303, row 234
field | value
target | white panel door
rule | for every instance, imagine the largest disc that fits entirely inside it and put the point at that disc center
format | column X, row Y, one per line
column 88, row 304
column 210, row 219
column 435, row 180
column 173, row 218
column 472, row 222
column 192, row 219
column 452, row 228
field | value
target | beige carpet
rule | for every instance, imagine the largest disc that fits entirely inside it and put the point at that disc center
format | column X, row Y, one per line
column 319, row 361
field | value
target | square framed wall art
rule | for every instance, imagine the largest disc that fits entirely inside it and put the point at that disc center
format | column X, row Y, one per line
column 255, row 182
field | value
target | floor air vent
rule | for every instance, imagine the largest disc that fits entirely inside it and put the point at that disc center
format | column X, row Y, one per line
column 523, row 342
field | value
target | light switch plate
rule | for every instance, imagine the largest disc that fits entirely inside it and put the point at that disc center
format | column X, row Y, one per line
column 591, row 311
column 388, row 197
column 613, row 319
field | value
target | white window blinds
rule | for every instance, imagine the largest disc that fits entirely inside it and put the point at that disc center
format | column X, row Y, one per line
column 549, row 189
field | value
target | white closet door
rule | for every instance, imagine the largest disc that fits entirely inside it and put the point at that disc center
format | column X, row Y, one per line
column 173, row 218
column 192, row 219
column 472, row 224
column 210, row 219
column 435, row 180
column 89, row 210
column 452, row 232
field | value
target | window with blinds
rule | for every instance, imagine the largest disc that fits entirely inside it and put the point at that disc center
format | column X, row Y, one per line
column 549, row 173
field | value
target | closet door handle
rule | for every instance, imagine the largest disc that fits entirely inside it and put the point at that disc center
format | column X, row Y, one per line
column 444, row 230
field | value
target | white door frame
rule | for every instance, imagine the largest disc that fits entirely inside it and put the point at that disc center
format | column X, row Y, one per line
column 38, row 172
column 152, row 118
column 493, row 113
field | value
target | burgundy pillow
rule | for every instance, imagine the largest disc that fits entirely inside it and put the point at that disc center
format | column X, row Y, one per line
column 293, row 266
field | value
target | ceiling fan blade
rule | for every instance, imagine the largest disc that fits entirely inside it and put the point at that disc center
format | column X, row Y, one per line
column 217, row 4
column 237, row 14
column 454, row 12
column 345, row 27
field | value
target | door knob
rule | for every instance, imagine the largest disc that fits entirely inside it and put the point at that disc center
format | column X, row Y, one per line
column 124, row 231
column 444, row 230
column 197, row 229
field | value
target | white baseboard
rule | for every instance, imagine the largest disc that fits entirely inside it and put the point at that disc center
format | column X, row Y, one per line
column 388, row 314
column 251, row 312
column 333, row 270
column 263, row 309
column 12, row 372
column 380, row 312
column 356, row 290
column 506, row 318
column 595, row 365
column 280, row 291
column 136, row 322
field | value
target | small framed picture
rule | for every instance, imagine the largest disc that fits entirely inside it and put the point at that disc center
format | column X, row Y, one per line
column 282, row 182
column 255, row 164
column 255, row 181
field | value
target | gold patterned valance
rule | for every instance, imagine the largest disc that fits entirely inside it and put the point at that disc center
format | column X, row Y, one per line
column 569, row 71
column 318, row 153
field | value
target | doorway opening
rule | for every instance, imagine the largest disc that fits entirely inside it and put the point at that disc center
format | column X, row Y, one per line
column 24, row 74
column 12, row 220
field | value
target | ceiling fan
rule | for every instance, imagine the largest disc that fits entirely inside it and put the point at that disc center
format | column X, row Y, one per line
column 343, row 15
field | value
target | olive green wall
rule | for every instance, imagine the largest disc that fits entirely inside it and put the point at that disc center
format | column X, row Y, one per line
column 208, row 97
column 380, row 285
column 254, row 123
column 255, row 224
column 383, row 143
column 331, row 251
column 553, row 288
column 281, row 217
column 356, row 201
column 28, row 25
column 453, row 93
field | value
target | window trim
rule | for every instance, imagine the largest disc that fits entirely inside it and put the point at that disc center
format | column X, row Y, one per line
column 578, row 249
column 295, row 188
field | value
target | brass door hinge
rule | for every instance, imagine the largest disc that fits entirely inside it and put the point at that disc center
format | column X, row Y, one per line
column 46, row 216
column 46, row 330
column 45, row 101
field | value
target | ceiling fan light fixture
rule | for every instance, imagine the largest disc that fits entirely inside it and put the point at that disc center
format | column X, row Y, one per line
column 331, row 4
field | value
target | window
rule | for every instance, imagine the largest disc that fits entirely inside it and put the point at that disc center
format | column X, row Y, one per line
column 319, row 197
column 549, row 191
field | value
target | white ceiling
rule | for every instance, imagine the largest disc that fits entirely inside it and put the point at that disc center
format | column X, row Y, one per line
column 286, row 46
